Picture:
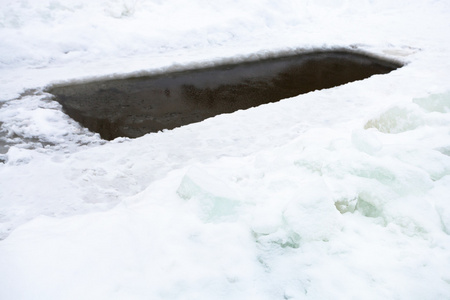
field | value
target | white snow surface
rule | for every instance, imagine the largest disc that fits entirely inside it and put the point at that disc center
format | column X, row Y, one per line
column 341, row 193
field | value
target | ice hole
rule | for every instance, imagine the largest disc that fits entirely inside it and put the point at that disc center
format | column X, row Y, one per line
column 135, row 106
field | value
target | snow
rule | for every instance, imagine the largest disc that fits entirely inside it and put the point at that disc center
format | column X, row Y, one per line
column 336, row 194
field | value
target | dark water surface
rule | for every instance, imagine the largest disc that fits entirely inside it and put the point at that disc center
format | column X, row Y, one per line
column 135, row 106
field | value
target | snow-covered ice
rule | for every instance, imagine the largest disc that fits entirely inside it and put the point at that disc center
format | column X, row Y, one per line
column 341, row 193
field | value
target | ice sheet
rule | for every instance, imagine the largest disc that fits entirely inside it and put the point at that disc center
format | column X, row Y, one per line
column 335, row 194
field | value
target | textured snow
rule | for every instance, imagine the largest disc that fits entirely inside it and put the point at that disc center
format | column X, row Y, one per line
column 341, row 193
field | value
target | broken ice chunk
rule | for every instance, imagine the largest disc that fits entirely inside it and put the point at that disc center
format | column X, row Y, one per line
column 217, row 201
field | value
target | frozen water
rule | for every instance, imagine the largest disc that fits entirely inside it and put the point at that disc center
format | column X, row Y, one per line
column 366, row 141
column 335, row 194
column 216, row 200
column 435, row 103
column 397, row 119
